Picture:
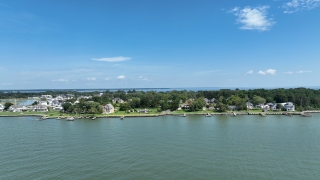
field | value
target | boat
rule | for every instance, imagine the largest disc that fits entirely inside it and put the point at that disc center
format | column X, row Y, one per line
column 183, row 115
column 58, row 118
column 208, row 115
column 70, row 119
column 233, row 114
column 122, row 117
column 93, row 118
column 262, row 114
column 306, row 114
column 44, row 118
column 287, row 114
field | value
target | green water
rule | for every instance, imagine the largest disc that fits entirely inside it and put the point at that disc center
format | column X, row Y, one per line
column 193, row 147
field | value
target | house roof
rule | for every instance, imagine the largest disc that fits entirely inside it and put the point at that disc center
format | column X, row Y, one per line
column 17, row 106
column 109, row 106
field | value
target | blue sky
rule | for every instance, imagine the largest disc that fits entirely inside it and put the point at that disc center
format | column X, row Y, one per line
column 147, row 43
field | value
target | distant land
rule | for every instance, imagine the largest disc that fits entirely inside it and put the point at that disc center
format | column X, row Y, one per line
column 151, row 89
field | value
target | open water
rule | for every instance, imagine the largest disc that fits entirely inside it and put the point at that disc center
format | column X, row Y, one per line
column 168, row 147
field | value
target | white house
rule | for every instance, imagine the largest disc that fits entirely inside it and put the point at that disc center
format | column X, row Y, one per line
column 117, row 100
column 288, row 106
column 53, row 103
column 40, row 108
column 249, row 105
column 58, row 108
column 108, row 109
column 17, row 108
column 273, row 107
column 1, row 107
column 46, row 96
column 44, row 103
column 143, row 111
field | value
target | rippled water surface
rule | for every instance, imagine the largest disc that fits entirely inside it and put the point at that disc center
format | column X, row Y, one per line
column 169, row 147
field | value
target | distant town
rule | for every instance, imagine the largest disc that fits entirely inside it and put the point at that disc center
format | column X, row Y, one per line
column 151, row 102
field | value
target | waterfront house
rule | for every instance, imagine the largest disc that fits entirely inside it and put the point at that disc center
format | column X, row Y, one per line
column 40, row 108
column 143, row 111
column 260, row 106
column 233, row 108
column 185, row 106
column 59, row 107
column 30, row 108
column 288, row 106
column 249, row 105
column 1, row 107
column 17, row 108
column 273, row 107
column 53, row 103
column 44, row 103
column 107, row 109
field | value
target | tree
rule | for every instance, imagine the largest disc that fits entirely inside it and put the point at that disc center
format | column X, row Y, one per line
column 279, row 106
column 197, row 104
column 124, row 107
column 221, row 107
column 67, row 107
column 134, row 103
column 258, row 100
column 92, row 108
column 7, row 105
column 35, row 103
column 174, row 105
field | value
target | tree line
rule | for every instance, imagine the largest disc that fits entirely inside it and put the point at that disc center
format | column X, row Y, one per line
column 302, row 98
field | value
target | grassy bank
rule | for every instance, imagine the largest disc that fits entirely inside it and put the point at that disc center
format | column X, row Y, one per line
column 153, row 112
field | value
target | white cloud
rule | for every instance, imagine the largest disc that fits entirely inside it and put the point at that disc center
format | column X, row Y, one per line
column 288, row 72
column 91, row 79
column 144, row 78
column 268, row 71
column 298, row 5
column 7, row 84
column 253, row 18
column 61, row 80
column 107, row 79
column 112, row 59
column 302, row 71
column 250, row 72
column 121, row 77
column 261, row 72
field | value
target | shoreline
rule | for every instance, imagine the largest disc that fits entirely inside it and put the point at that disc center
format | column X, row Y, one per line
column 158, row 115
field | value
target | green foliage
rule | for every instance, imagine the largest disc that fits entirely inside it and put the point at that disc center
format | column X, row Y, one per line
column 258, row 100
column 302, row 98
column 67, row 107
column 134, row 103
column 279, row 106
column 124, row 107
column 197, row 104
column 35, row 103
column 237, row 101
column 7, row 105
column 221, row 107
